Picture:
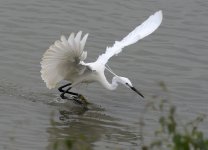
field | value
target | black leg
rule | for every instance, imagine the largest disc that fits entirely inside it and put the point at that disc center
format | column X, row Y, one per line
column 76, row 95
column 64, row 92
column 61, row 87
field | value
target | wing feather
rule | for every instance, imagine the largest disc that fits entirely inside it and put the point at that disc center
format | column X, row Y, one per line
column 63, row 59
column 143, row 30
column 83, row 41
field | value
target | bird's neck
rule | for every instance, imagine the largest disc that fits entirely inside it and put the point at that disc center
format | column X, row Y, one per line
column 101, row 76
column 110, row 86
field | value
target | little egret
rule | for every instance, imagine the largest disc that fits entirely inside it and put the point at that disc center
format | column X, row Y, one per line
column 64, row 60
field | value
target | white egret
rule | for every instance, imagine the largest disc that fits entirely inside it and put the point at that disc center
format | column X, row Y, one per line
column 64, row 60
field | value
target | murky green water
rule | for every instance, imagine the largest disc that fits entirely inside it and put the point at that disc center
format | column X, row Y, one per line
column 176, row 54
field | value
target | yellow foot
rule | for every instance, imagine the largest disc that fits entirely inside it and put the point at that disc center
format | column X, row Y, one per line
column 83, row 99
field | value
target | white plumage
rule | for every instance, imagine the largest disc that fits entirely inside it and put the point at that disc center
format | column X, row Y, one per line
column 64, row 60
column 141, row 31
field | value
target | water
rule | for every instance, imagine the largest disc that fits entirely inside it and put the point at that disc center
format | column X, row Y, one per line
column 175, row 54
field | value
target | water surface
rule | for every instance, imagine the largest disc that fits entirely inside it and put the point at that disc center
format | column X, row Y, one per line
column 175, row 54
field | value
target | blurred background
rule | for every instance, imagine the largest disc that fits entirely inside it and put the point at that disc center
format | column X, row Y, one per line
column 176, row 54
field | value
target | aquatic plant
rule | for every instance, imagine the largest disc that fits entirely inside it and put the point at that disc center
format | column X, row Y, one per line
column 174, row 134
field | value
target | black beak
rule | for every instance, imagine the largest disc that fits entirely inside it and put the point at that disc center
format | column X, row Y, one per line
column 135, row 90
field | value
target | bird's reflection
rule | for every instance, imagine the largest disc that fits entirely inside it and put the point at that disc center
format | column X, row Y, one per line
column 81, row 128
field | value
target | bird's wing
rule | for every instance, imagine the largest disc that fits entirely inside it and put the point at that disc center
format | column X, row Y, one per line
column 63, row 59
column 143, row 30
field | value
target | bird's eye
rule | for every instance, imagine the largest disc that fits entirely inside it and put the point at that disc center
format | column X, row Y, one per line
column 127, row 84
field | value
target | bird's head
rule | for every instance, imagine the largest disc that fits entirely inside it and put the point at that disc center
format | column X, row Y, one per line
column 125, row 81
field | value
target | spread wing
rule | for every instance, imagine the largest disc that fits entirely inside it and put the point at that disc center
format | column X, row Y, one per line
column 143, row 30
column 62, row 59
